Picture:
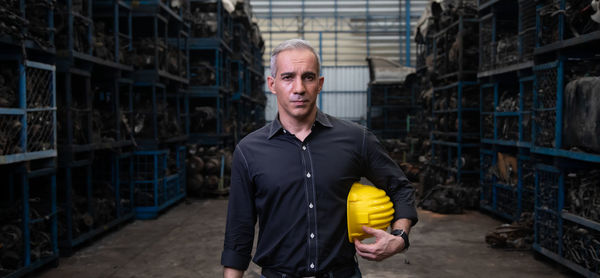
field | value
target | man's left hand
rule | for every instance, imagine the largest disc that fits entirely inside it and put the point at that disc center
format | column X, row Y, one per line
column 385, row 246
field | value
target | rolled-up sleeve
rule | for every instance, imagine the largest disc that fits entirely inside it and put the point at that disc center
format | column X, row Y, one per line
column 241, row 216
column 385, row 174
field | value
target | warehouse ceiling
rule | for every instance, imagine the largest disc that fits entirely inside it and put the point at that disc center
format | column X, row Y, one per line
column 345, row 32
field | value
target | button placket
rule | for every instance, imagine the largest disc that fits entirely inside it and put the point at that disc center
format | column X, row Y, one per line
column 312, row 225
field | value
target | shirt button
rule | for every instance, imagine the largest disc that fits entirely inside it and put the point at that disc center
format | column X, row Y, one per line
column 308, row 175
column 312, row 265
column 310, row 205
column 312, row 235
column 284, row 131
column 304, row 148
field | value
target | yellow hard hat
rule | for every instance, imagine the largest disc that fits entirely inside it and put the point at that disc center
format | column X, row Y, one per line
column 367, row 206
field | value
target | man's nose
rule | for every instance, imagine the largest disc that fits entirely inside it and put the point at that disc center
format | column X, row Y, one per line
column 298, row 86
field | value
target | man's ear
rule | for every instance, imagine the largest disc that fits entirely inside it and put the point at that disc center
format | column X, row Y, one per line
column 321, row 82
column 270, row 83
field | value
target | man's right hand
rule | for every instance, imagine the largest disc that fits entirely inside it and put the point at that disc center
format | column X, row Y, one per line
column 232, row 273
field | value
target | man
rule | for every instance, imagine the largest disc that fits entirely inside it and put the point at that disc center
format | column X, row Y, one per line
column 295, row 174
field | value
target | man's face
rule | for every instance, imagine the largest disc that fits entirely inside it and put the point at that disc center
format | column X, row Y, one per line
column 296, row 84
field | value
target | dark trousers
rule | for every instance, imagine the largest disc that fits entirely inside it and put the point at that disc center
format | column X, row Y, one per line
column 340, row 273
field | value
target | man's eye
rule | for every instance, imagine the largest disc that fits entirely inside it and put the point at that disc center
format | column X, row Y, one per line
column 311, row 78
column 286, row 77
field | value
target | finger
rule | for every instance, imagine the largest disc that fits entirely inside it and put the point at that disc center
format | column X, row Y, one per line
column 372, row 231
column 365, row 248
column 365, row 255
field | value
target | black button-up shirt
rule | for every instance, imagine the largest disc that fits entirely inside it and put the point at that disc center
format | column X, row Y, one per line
column 299, row 189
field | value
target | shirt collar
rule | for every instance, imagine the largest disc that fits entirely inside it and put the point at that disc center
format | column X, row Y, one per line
column 321, row 118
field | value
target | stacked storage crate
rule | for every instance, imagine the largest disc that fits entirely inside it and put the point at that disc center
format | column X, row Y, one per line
column 506, row 98
column 95, row 112
column 28, row 149
column 390, row 100
column 248, row 99
column 565, row 134
column 160, row 43
column 454, row 101
column 209, row 121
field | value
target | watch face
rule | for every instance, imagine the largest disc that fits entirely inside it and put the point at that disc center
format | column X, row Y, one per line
column 397, row 232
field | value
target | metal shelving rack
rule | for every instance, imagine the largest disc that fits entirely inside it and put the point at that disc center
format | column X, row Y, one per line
column 160, row 99
column 95, row 102
column 388, row 114
column 210, row 72
column 566, row 51
column 455, row 130
column 28, row 128
column 450, row 63
column 506, row 104
column 156, row 186
column 562, row 234
column 30, row 215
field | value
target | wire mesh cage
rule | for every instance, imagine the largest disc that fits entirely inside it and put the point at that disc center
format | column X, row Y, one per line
column 545, row 106
column 28, row 218
column 527, row 178
column 487, row 178
column 527, row 29
column 548, row 26
column 582, row 193
column 150, row 174
column 209, row 19
column 527, row 87
column 547, row 188
column 486, row 45
column 581, row 246
column 125, row 180
column 40, row 131
column 10, row 128
column 546, row 230
column 27, row 113
column 507, row 201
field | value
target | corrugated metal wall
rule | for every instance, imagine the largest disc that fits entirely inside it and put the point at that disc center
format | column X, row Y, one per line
column 344, row 94
column 346, row 31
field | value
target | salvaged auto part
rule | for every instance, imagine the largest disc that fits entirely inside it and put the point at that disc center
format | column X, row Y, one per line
column 518, row 235
column 581, row 121
column 450, row 199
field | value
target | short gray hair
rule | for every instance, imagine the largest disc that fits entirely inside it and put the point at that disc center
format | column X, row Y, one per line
column 289, row 45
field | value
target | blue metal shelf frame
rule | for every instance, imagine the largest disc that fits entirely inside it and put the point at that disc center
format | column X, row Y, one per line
column 549, row 118
column 223, row 36
column 550, row 216
column 198, row 97
column 168, row 32
column 41, row 38
column 441, row 61
column 20, row 177
column 489, row 28
column 152, row 181
column 506, row 201
column 461, row 89
column 30, row 124
column 551, row 19
column 220, row 65
column 490, row 91
column 119, row 14
column 450, row 157
column 75, row 106
column 155, row 94
column 397, row 102
column 79, row 178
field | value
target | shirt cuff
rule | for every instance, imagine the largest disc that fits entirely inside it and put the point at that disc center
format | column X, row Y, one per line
column 232, row 259
column 408, row 212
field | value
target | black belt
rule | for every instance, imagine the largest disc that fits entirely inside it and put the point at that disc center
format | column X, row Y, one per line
column 342, row 272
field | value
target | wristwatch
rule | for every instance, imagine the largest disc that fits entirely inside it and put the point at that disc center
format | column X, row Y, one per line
column 403, row 235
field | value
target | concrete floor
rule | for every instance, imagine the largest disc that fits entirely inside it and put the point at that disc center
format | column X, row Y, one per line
column 187, row 241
